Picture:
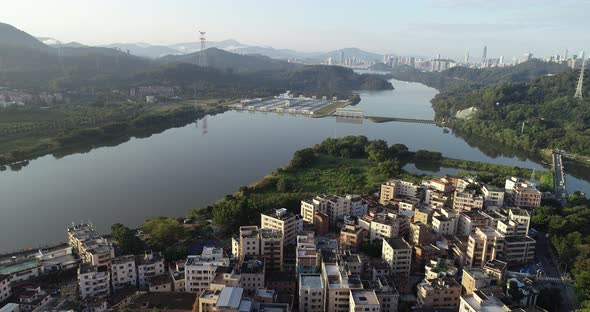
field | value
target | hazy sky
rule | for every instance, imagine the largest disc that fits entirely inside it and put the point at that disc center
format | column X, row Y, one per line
column 426, row 27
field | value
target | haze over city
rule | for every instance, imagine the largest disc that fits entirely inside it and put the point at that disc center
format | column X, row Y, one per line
column 423, row 27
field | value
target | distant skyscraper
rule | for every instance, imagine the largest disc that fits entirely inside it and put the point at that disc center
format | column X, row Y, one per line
column 566, row 53
column 528, row 56
column 438, row 56
column 484, row 56
column 466, row 61
column 502, row 60
column 341, row 57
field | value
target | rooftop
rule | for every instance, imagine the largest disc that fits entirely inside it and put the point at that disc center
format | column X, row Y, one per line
column 123, row 259
column 518, row 239
column 163, row 301
column 280, row 214
column 159, row 279
column 364, row 297
column 398, row 243
column 311, row 281
column 230, row 297
column 496, row 264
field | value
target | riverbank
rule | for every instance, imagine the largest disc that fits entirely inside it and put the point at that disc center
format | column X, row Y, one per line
column 348, row 165
column 28, row 133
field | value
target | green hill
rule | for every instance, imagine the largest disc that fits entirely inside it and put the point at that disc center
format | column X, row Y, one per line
column 552, row 117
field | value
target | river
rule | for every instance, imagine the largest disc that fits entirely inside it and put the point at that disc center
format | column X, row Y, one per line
column 183, row 168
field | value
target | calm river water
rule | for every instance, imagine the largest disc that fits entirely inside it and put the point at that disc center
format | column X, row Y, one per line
column 182, row 168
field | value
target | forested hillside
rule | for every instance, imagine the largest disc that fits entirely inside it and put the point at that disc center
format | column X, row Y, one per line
column 552, row 117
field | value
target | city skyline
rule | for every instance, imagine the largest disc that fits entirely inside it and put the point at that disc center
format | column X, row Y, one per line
column 424, row 27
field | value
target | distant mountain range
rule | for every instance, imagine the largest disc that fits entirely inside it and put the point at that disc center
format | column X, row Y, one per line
column 231, row 45
column 35, row 64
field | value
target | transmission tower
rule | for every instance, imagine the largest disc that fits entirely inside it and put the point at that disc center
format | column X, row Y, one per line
column 578, row 94
column 202, row 54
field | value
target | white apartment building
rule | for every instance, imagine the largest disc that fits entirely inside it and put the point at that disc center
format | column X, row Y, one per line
column 267, row 243
column 364, row 300
column 124, row 272
column 200, row 270
column 493, row 196
column 311, row 293
column 338, row 285
column 286, row 222
column 467, row 200
column 443, row 225
column 358, row 206
column 521, row 216
column 388, row 226
column 469, row 221
column 93, row 281
column 398, row 188
column 398, row 254
column 151, row 264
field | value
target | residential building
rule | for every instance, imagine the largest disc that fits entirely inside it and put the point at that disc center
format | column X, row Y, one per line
column 93, row 281
column 311, row 293
column 467, row 200
column 284, row 221
column 521, row 216
column 252, row 273
column 496, row 268
column 493, row 196
column 311, row 206
column 321, row 223
column 480, row 302
column 225, row 276
column 439, row 293
column 148, row 265
column 358, row 206
column 351, row 238
column 199, row 270
column 92, row 247
column 509, row 227
column 5, row 290
column 444, row 225
column 469, row 221
column 474, row 279
column 440, row 268
column 338, row 285
column 364, row 300
column 159, row 283
column 387, row 294
column 398, row 188
column 123, row 272
column 30, row 298
column 307, row 256
column 522, row 193
column 398, row 254
column 227, row 299
column 267, row 243
column 420, row 234
column 519, row 249
column 486, row 244
column 387, row 226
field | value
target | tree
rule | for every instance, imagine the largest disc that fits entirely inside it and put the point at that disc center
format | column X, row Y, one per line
column 550, row 299
column 302, row 158
column 175, row 253
column 126, row 239
column 283, row 185
column 389, row 167
column 162, row 232
column 377, row 150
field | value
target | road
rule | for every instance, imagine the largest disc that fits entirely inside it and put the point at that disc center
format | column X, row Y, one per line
column 553, row 276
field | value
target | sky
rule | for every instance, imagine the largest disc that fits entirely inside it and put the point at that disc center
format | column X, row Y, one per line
column 420, row 27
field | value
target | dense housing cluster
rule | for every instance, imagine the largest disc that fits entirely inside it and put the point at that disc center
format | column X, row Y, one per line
column 449, row 243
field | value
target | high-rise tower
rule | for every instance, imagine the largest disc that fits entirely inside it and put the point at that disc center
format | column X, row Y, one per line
column 578, row 94
column 202, row 54
column 484, row 56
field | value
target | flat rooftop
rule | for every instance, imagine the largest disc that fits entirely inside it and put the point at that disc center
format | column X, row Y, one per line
column 398, row 243
column 163, row 301
column 311, row 281
column 364, row 297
